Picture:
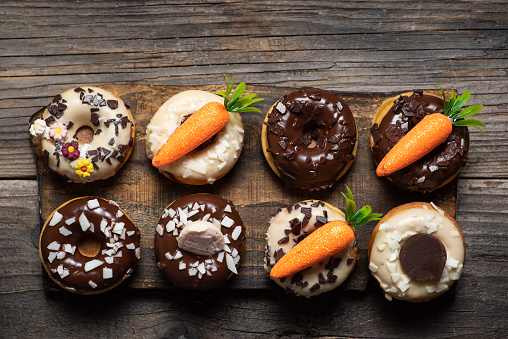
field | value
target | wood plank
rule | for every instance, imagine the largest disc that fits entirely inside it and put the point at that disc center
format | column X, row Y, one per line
column 477, row 310
column 257, row 192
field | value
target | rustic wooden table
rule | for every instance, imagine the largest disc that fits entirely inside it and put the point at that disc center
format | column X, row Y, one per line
column 47, row 47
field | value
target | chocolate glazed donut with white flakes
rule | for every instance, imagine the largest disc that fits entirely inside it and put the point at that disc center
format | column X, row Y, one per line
column 309, row 138
column 199, row 241
column 89, row 245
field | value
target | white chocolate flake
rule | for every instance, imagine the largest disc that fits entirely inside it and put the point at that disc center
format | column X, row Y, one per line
column 70, row 221
column 57, row 217
column 92, row 264
column 64, row 231
column 231, row 263
column 107, row 273
column 236, row 233
column 92, row 284
column 83, row 221
column 93, row 204
column 54, row 246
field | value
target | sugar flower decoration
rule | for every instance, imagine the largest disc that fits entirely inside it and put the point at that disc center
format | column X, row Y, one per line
column 58, row 131
column 38, row 127
column 70, row 151
column 83, row 168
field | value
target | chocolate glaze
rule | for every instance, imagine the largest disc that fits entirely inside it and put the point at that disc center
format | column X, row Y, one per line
column 435, row 168
column 167, row 243
column 307, row 128
column 79, row 279
column 423, row 257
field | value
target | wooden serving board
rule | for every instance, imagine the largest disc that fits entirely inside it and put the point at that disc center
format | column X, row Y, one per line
column 256, row 191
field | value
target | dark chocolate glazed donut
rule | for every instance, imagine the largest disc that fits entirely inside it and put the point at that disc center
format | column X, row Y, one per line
column 311, row 137
column 439, row 166
column 186, row 269
column 89, row 245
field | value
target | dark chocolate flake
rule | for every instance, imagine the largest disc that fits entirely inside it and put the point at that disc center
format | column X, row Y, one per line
column 113, row 104
column 284, row 240
column 314, row 288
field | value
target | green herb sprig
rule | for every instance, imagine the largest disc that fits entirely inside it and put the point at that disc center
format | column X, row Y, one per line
column 363, row 216
column 453, row 110
column 237, row 103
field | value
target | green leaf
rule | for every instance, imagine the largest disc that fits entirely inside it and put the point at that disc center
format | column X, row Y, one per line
column 373, row 216
column 237, row 103
column 470, row 123
column 362, row 212
column 361, row 217
column 469, row 111
column 461, row 101
column 454, row 112
column 444, row 99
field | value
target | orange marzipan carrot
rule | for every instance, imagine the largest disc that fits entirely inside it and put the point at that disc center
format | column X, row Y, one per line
column 324, row 242
column 199, row 127
column 429, row 133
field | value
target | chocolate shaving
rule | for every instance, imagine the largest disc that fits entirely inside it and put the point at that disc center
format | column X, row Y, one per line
column 113, row 104
column 296, row 277
column 284, row 240
column 314, row 288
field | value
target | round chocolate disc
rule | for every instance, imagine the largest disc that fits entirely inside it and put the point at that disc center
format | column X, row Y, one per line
column 423, row 257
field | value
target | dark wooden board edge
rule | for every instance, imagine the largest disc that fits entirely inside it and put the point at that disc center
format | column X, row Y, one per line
column 444, row 197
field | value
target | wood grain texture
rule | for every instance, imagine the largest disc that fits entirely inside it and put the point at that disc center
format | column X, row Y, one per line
column 47, row 47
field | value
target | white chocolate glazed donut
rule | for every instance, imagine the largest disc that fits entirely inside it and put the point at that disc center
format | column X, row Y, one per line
column 202, row 165
column 290, row 226
column 111, row 134
column 394, row 230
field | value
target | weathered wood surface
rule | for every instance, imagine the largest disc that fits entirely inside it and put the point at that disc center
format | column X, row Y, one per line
column 355, row 47
column 252, row 186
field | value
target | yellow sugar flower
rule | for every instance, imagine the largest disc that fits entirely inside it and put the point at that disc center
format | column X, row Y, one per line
column 84, row 167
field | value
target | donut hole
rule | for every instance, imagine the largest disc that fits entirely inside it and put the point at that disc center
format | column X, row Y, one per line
column 84, row 134
column 89, row 245
column 311, row 132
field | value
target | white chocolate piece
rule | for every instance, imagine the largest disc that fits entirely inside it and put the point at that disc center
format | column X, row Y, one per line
column 384, row 260
column 200, row 166
column 334, row 270
column 201, row 238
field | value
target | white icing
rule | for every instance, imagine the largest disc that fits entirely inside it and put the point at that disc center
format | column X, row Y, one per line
column 199, row 166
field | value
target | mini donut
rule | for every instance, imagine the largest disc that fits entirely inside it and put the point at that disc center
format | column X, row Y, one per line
column 210, row 161
column 416, row 252
column 309, row 138
column 86, row 134
column 89, row 245
column 191, row 267
column 290, row 226
column 394, row 119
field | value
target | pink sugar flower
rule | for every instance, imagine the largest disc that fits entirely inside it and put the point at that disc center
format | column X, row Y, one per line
column 58, row 131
